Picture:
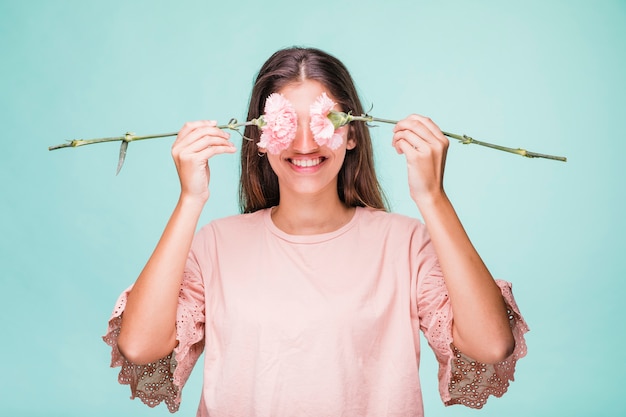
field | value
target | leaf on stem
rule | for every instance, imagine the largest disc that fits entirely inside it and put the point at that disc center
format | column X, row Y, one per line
column 120, row 161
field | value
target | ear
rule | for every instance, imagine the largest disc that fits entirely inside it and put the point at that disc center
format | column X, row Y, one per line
column 351, row 143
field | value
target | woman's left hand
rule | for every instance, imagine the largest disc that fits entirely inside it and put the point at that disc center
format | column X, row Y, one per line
column 481, row 326
column 425, row 148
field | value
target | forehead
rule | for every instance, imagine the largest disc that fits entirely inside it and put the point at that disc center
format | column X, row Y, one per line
column 302, row 94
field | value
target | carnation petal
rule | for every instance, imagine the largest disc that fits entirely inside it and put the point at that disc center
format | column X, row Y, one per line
column 321, row 126
column 280, row 124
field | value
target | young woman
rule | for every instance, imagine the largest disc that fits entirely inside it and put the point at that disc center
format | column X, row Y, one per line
column 311, row 301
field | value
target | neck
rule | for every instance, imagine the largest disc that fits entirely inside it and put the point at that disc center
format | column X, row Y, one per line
column 311, row 215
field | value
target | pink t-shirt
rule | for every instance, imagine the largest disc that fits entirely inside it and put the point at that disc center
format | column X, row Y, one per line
column 319, row 325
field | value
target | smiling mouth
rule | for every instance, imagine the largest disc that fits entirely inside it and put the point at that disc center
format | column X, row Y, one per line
column 306, row 163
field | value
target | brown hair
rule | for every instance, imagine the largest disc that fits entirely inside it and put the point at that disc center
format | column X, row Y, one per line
column 357, row 182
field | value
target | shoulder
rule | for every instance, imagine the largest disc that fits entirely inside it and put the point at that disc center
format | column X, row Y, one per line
column 233, row 225
column 386, row 220
column 392, row 227
column 396, row 235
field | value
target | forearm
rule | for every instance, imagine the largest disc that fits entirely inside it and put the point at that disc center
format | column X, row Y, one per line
column 148, row 330
column 480, row 327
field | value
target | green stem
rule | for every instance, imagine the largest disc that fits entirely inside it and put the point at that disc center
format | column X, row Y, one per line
column 130, row 137
column 466, row 140
column 234, row 125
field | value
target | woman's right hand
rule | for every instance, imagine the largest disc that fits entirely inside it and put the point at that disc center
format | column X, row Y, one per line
column 195, row 144
column 148, row 330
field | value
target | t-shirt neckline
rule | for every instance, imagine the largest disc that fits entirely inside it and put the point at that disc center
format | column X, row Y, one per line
column 316, row 238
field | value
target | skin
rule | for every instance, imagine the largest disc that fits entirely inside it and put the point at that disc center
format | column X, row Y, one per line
column 148, row 330
column 480, row 328
column 309, row 204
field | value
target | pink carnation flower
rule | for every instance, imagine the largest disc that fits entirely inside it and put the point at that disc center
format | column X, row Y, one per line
column 280, row 125
column 321, row 126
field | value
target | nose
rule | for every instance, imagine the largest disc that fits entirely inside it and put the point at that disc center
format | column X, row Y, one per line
column 304, row 141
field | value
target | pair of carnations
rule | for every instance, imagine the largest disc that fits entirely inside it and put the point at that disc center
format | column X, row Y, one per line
column 279, row 122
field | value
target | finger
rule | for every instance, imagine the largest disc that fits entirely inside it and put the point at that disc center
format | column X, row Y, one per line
column 201, row 158
column 189, row 126
column 423, row 126
column 201, row 138
column 209, row 151
column 200, row 132
column 417, row 128
column 421, row 138
column 204, row 142
column 191, row 131
column 216, row 150
column 412, row 141
column 402, row 147
column 433, row 127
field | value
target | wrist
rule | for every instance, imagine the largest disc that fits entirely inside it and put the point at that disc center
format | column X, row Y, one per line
column 193, row 201
column 431, row 200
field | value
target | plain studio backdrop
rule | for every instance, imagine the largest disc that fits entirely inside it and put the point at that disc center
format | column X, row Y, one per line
column 548, row 76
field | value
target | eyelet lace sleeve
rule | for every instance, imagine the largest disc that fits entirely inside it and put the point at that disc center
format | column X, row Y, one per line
column 163, row 380
column 461, row 379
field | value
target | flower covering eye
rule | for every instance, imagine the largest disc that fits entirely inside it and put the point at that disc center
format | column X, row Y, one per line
column 321, row 125
column 280, row 120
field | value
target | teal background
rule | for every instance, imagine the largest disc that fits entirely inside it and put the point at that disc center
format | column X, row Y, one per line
column 548, row 76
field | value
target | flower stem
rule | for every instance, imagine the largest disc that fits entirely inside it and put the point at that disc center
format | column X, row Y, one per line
column 233, row 124
column 130, row 137
column 466, row 140
column 339, row 118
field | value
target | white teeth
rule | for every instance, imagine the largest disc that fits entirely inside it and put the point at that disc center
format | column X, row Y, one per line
column 306, row 162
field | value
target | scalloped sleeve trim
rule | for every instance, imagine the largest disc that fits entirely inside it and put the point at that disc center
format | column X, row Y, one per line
column 162, row 380
column 465, row 381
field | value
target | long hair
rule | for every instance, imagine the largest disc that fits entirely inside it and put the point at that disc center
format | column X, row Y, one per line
column 357, row 183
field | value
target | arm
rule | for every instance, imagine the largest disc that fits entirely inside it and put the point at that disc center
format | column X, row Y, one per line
column 148, row 330
column 481, row 327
